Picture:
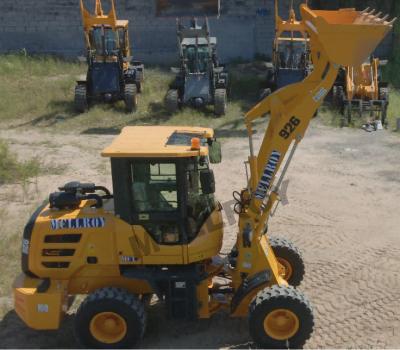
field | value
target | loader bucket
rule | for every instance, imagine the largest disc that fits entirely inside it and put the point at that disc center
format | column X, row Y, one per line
column 348, row 36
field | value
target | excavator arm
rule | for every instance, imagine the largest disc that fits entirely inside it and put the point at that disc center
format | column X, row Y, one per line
column 345, row 37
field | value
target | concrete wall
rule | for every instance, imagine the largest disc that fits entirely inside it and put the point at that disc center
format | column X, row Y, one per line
column 244, row 29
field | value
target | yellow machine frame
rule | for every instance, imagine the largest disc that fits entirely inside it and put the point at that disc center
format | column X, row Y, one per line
column 362, row 81
column 99, row 18
column 345, row 37
column 291, row 26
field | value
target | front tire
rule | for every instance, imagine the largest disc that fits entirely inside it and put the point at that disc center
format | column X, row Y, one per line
column 130, row 97
column 220, row 102
column 280, row 317
column 81, row 100
column 110, row 318
column 291, row 264
column 172, row 101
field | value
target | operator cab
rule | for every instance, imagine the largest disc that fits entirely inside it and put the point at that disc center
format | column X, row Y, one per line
column 106, row 41
column 162, row 182
column 292, row 53
column 196, row 53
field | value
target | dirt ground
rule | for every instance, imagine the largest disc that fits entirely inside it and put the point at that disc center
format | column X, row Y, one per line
column 343, row 213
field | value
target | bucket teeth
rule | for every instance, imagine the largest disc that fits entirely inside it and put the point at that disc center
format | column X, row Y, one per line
column 369, row 16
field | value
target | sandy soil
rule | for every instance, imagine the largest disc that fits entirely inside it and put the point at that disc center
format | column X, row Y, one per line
column 343, row 213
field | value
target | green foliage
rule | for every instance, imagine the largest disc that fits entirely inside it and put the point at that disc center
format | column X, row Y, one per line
column 14, row 171
column 39, row 92
column 35, row 87
column 394, row 108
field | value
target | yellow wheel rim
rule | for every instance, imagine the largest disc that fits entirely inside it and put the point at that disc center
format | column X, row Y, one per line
column 108, row 327
column 281, row 324
column 285, row 269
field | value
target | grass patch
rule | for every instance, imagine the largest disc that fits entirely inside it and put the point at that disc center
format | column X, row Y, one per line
column 39, row 92
column 394, row 108
column 330, row 116
column 35, row 87
column 14, row 171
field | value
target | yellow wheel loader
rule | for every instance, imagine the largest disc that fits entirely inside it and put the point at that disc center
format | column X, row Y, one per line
column 291, row 59
column 361, row 89
column 112, row 73
column 161, row 231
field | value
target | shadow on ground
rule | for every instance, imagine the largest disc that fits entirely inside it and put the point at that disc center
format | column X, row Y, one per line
column 62, row 111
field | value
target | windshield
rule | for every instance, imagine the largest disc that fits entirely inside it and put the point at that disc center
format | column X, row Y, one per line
column 196, row 58
column 103, row 41
column 292, row 54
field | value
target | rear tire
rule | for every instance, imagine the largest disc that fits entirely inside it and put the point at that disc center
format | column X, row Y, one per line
column 110, row 318
column 220, row 102
column 81, row 101
column 172, row 101
column 139, row 81
column 130, row 97
column 292, row 267
column 280, row 317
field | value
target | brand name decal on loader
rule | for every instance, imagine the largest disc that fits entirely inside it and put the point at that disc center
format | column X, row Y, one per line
column 63, row 224
column 320, row 94
column 269, row 171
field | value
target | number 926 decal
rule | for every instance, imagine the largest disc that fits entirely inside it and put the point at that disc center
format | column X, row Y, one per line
column 289, row 127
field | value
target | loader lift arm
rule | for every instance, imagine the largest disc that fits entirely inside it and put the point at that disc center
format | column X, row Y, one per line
column 344, row 37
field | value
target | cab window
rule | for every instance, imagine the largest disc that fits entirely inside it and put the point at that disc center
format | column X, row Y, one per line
column 155, row 198
column 154, row 187
column 196, row 58
column 122, row 38
column 103, row 40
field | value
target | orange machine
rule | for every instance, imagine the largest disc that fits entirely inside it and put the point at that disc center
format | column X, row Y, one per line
column 361, row 89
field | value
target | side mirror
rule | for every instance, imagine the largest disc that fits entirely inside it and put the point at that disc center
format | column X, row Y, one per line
column 207, row 181
column 214, row 152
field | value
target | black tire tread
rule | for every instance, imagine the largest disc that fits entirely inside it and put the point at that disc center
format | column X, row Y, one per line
column 285, row 247
column 171, row 101
column 281, row 295
column 220, row 101
column 119, row 295
column 80, row 101
column 130, row 96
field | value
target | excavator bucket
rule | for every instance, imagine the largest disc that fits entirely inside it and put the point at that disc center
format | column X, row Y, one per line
column 348, row 36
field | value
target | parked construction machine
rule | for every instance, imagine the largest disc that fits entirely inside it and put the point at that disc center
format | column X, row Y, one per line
column 112, row 74
column 200, row 80
column 291, row 58
column 361, row 89
column 161, row 231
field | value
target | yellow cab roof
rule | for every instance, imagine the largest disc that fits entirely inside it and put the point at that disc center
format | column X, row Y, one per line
column 157, row 142
column 122, row 23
